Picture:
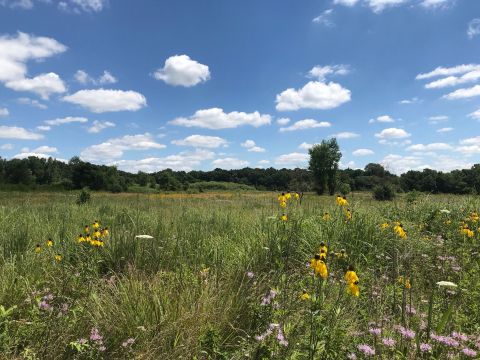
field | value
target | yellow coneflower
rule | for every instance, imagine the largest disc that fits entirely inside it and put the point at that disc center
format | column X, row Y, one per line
column 384, row 225
column 353, row 289
column 86, row 229
column 282, row 198
column 283, row 204
column 351, row 275
column 100, row 243
column 88, row 238
column 323, row 248
column 474, row 217
column 284, row 217
column 297, row 196
column 288, row 195
column 49, row 242
column 38, row 248
column 96, row 224
column 105, row 231
column 321, row 269
column 405, row 282
column 97, row 233
column 81, row 239
column 348, row 215
column 399, row 230
column 326, row 216
column 339, row 200
column 304, row 295
column 58, row 257
column 342, row 254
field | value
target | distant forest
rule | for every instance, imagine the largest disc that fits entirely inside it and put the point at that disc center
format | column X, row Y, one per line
column 48, row 174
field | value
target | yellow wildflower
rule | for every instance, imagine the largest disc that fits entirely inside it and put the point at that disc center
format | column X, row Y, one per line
column 353, row 289
column 305, row 295
column 86, row 229
column 38, row 248
column 58, row 257
column 49, row 242
column 323, row 248
column 284, row 217
column 399, row 230
column 348, row 214
column 97, row 233
column 351, row 276
column 384, row 225
column 288, row 196
column 341, row 200
column 318, row 266
column 283, row 204
column 297, row 196
column 282, row 198
column 80, row 238
column 105, row 231
column 341, row 254
column 326, row 216
column 96, row 224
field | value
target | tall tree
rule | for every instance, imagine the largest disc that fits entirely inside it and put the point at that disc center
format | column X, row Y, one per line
column 324, row 159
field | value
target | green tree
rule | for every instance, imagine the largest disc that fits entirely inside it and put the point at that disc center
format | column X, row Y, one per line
column 324, row 159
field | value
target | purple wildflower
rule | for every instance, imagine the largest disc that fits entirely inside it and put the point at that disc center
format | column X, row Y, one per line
column 102, row 348
column 82, row 341
column 375, row 331
column 425, row 347
column 406, row 333
column 469, row 352
column 459, row 336
column 250, row 275
column 367, row 350
column 44, row 305
column 352, row 356
column 95, row 335
column 389, row 342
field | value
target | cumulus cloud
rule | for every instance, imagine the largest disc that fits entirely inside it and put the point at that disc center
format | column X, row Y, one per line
column 473, row 28
column 345, row 2
column 46, row 149
column 429, row 147
column 79, row 6
column 84, row 78
column 448, row 71
column 184, row 161
column 180, row 70
column 413, row 100
column 14, row 132
column 283, row 121
column 21, row 4
column 362, row 152
column 475, row 115
column 306, row 124
column 114, row 148
column 229, row 163
column 321, row 72
column 44, row 128
column 16, row 51
column 392, row 133
column 436, row 4
column 216, row 118
column 379, row 5
column 314, row 95
column 251, row 146
column 437, row 119
column 325, row 18
column 99, row 126
column 464, row 93
column 382, row 119
column 471, row 76
column 201, row 141
column 294, row 159
column 346, row 135
column 4, row 112
column 444, row 129
column 66, row 120
column 103, row 100
column 305, row 146
column 398, row 164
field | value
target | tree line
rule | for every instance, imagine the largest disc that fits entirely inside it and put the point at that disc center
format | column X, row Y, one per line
column 36, row 173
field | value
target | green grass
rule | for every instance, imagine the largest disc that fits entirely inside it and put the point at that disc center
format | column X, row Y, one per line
column 187, row 293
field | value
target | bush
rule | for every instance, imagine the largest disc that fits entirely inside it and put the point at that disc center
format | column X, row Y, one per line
column 344, row 188
column 412, row 196
column 83, row 197
column 383, row 192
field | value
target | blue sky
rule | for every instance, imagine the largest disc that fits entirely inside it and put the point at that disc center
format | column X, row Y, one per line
column 150, row 84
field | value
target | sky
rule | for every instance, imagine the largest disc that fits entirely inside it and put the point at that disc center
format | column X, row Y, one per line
column 196, row 85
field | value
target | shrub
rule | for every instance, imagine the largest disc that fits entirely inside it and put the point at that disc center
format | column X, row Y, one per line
column 83, row 197
column 383, row 192
column 344, row 188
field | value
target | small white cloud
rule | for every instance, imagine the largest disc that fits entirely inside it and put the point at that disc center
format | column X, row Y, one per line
column 305, row 146
column 102, row 100
column 202, row 141
column 475, row 115
column 43, row 85
column 473, row 28
column 180, row 70
column 79, row 6
column 294, row 159
column 414, row 100
column 4, row 112
column 44, row 128
column 362, row 152
column 229, row 163
column 436, row 4
column 6, row 147
column 400, row 164
column 392, row 133
column 66, row 120
column 321, row 72
column 14, row 132
column 99, row 126
column 46, row 149
column 21, row 4
column 382, row 119
column 445, row 129
column 251, row 146
column 429, row 147
column 325, row 18
column 438, row 118
column 379, row 5
column 107, row 78
column 306, row 124
column 464, row 93
column 448, row 71
column 349, row 3
column 471, row 76
column 346, row 135
column 314, row 95
column 283, row 121
column 84, row 78
column 216, row 118
column 32, row 102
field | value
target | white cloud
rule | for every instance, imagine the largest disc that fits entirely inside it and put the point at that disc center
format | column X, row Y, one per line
column 362, row 152
column 306, row 124
column 216, row 118
column 382, row 119
column 469, row 146
column 379, row 5
column 438, row 118
column 66, row 120
column 184, row 161
column 400, row 164
column 346, row 135
column 294, row 159
column 16, row 51
column 471, row 141
column 102, row 100
column 24, row 155
column 14, row 132
column 202, row 141
column 464, row 93
column 435, row 4
column 263, row 163
column 392, row 133
column 77, row 6
column 283, row 121
column 22, row 4
column 44, row 128
column 451, row 80
column 325, row 18
column 413, row 100
column 251, row 146
column 99, row 126
column 429, row 147
column 444, row 129
column 114, row 148
column 46, row 149
column 475, row 115
column 314, row 95
column 84, row 78
column 229, row 163
column 43, row 85
column 443, row 71
column 345, row 2
column 32, row 102
column 473, row 28
column 305, row 146
column 180, row 70
column 6, row 147
column 4, row 112
column 321, row 72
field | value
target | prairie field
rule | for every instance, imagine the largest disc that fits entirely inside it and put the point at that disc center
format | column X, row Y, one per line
column 225, row 276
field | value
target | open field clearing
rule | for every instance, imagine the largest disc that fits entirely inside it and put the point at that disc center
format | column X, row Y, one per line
column 226, row 276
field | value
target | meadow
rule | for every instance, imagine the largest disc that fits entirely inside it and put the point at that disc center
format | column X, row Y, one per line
column 226, row 276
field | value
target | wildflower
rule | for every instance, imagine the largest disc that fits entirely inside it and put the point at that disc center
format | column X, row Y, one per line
column 388, row 342
column 319, row 267
column 467, row 231
column 288, row 196
column 102, row 348
column 267, row 299
column 366, row 350
column 38, row 248
column 425, row 347
column 297, row 196
column 86, row 229
column 375, row 331
column 250, row 275
column 105, row 231
column 95, row 335
column 128, row 342
column 469, row 352
column 399, row 230
column 282, row 198
column 326, row 216
column 63, row 309
column 351, row 275
column 305, row 295
column 352, row 356
column 341, row 200
column 97, row 233
column 353, row 289
column 44, row 305
column 283, row 204
column 95, row 225
column 49, row 242
column 459, row 336
column 447, row 284
column 80, row 238
column 341, row 254
column 384, row 225
column 88, row 238
column 284, row 217
column 58, row 257
column 474, row 217
column 323, row 248
column 348, row 214
column 406, row 333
